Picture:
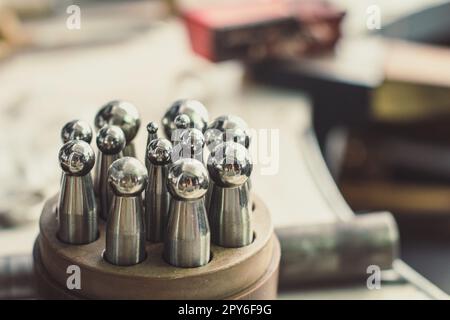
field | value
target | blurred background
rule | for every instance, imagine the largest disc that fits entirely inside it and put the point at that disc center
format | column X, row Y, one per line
column 371, row 77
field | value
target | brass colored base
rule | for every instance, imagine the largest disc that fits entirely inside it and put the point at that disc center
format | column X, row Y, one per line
column 250, row 272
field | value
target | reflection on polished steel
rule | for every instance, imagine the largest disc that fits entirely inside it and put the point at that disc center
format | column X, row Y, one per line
column 194, row 109
column 76, row 130
column 192, row 144
column 229, row 211
column 337, row 251
column 17, row 277
column 124, row 115
column 110, row 143
column 225, row 129
column 182, row 122
column 152, row 134
column 187, row 241
column 77, row 210
column 157, row 196
column 125, row 231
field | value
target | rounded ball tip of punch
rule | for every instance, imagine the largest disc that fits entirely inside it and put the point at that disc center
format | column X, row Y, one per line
column 182, row 121
column 233, row 128
column 230, row 165
column 188, row 179
column 127, row 176
column 160, row 151
column 76, row 130
column 76, row 157
column 195, row 110
column 152, row 127
column 194, row 139
column 122, row 114
column 229, row 121
column 110, row 139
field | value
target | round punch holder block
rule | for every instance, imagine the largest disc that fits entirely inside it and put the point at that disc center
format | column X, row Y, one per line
column 249, row 272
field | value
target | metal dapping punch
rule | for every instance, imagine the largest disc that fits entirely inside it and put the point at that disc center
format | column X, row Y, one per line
column 227, row 128
column 187, row 241
column 76, row 130
column 339, row 250
column 124, row 115
column 229, row 212
column 194, row 109
column 152, row 134
column 156, row 195
column 77, row 209
column 125, row 231
column 182, row 122
column 110, row 142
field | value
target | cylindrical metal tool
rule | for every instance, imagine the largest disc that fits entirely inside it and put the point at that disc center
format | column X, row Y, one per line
column 249, row 272
column 124, row 115
column 226, row 128
column 110, row 142
column 229, row 212
column 156, row 195
column 187, row 242
column 337, row 251
column 77, row 209
column 152, row 134
column 125, row 231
